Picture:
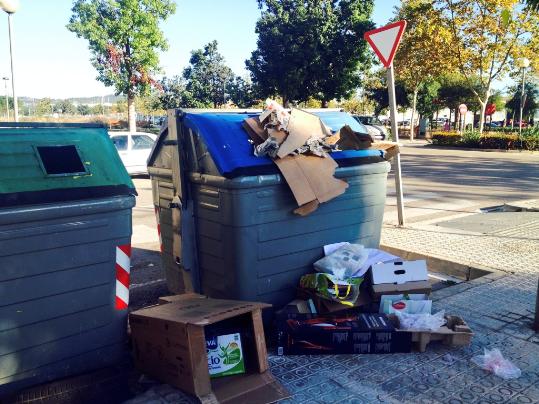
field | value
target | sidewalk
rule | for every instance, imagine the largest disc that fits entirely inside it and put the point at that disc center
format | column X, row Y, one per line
column 498, row 307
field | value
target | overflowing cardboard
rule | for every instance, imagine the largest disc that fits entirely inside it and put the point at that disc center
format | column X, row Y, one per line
column 311, row 178
column 364, row 333
column 455, row 333
column 351, row 140
column 391, row 149
column 255, row 130
column 400, row 278
column 301, row 127
column 169, row 342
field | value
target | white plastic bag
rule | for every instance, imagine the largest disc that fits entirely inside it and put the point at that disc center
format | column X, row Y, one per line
column 494, row 362
column 343, row 262
column 431, row 322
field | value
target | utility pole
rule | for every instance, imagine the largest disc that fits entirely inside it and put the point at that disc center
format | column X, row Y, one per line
column 7, row 99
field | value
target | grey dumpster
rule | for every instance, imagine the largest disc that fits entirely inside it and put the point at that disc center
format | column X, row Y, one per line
column 225, row 216
column 65, row 230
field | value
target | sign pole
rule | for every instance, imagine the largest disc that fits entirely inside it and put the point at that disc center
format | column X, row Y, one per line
column 385, row 41
column 395, row 133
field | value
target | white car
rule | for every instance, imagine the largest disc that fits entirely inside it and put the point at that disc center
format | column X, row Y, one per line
column 134, row 149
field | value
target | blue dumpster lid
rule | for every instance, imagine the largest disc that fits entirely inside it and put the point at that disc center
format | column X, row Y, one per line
column 228, row 143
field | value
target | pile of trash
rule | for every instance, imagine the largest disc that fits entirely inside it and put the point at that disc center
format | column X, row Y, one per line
column 357, row 291
column 299, row 143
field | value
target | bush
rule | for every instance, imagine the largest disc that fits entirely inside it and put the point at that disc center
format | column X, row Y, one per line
column 504, row 141
column 446, row 138
column 499, row 141
column 471, row 138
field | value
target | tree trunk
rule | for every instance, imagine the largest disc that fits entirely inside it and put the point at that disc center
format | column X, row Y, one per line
column 131, row 113
column 483, row 103
column 325, row 103
column 414, row 105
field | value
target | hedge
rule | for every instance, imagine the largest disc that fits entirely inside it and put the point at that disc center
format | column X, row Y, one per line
column 502, row 141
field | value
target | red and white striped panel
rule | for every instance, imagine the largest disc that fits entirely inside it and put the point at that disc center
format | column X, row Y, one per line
column 123, row 269
column 157, row 211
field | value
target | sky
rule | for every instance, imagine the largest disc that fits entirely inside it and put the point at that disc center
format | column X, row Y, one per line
column 50, row 61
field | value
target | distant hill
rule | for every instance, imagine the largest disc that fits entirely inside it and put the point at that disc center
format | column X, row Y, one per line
column 107, row 99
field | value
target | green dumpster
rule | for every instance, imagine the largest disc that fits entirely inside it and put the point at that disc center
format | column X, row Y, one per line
column 65, row 231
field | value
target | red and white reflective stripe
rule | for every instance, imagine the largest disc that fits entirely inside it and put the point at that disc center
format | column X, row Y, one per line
column 123, row 269
column 157, row 211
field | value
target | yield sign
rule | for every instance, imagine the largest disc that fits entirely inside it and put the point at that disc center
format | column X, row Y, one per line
column 385, row 41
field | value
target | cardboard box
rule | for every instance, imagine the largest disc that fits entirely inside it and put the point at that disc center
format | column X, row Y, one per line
column 400, row 277
column 455, row 333
column 364, row 333
column 169, row 343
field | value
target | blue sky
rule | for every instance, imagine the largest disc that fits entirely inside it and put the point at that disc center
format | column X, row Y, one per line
column 52, row 62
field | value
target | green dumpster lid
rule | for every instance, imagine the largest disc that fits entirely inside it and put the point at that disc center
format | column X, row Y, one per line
column 43, row 164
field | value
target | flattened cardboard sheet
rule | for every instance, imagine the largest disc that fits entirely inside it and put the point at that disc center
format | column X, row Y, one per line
column 311, row 177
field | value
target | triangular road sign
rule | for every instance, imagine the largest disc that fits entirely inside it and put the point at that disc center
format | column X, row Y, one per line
column 385, row 41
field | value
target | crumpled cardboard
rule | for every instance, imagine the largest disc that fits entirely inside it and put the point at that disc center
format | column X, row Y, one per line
column 351, row 140
column 311, row 178
column 302, row 127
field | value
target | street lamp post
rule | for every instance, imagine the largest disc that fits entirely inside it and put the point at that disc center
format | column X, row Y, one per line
column 10, row 7
column 7, row 99
column 523, row 64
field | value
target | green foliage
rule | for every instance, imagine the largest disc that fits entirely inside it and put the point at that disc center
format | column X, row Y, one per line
column 241, row 92
column 376, row 92
column 64, row 107
column 533, row 4
column 471, row 138
column 532, row 100
column 124, row 39
column 206, row 77
column 504, row 141
column 97, row 110
column 44, row 107
column 83, row 109
column 311, row 48
column 446, row 138
column 428, row 93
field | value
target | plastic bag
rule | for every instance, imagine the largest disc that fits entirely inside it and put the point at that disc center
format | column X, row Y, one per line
column 344, row 262
column 494, row 362
column 329, row 287
column 431, row 322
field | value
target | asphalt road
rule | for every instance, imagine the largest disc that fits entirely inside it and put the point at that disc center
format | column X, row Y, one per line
column 437, row 182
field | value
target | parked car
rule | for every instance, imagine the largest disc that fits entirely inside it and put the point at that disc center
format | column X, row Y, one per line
column 134, row 149
column 374, row 126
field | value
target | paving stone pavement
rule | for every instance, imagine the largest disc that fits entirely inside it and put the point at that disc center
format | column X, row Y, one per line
column 499, row 309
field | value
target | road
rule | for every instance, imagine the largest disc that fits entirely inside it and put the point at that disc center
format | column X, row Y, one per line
column 437, row 182
column 440, row 182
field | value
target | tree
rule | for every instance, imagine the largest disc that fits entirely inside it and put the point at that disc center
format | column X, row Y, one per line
column 65, row 107
column 531, row 103
column 124, row 38
column 311, row 48
column 97, row 109
column 207, row 76
column 44, row 107
column 425, row 102
column 421, row 54
column 83, row 109
column 376, row 92
column 119, row 107
column 241, row 92
column 488, row 37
